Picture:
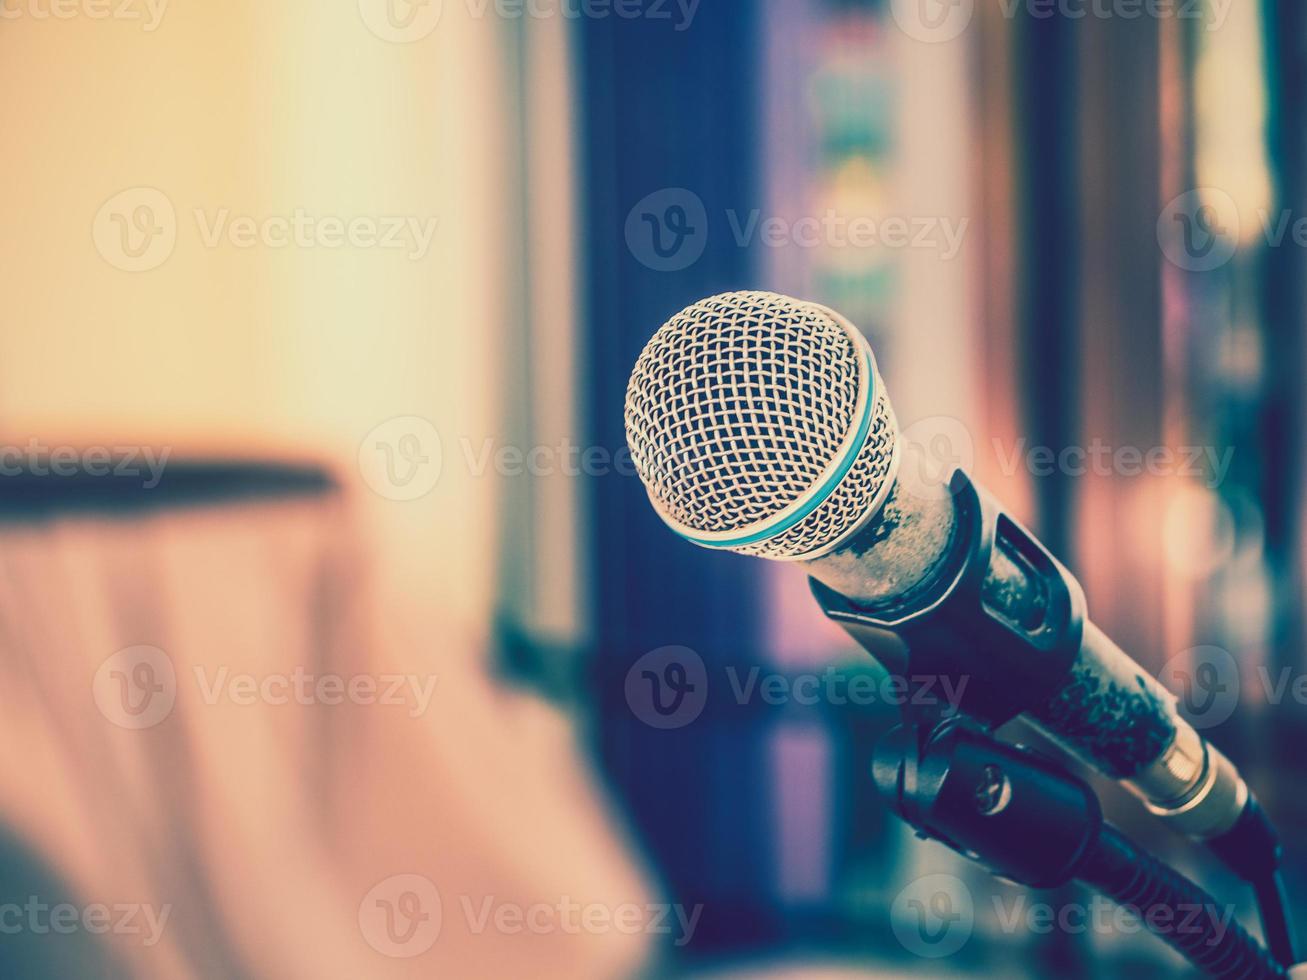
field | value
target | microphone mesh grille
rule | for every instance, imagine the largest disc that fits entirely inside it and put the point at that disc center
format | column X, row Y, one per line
column 736, row 408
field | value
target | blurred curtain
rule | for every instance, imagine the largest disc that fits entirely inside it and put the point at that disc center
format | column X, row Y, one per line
column 260, row 830
column 265, row 827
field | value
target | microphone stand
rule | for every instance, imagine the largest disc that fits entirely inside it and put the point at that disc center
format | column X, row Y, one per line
column 1004, row 615
column 1031, row 821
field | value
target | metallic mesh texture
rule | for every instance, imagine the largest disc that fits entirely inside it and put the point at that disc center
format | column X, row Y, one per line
column 738, row 405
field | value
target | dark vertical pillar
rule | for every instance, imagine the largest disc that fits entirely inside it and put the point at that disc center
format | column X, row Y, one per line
column 1284, row 422
column 1046, row 98
column 671, row 113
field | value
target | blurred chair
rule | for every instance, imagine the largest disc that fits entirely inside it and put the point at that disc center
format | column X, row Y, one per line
column 263, row 829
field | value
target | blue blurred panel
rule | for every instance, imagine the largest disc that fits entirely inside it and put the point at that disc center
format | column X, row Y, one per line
column 668, row 119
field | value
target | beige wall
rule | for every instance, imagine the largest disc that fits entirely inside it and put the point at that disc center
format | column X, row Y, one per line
column 262, row 108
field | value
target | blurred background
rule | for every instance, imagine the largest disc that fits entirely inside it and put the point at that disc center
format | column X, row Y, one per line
column 332, row 615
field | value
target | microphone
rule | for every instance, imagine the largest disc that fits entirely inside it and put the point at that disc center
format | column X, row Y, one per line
column 759, row 424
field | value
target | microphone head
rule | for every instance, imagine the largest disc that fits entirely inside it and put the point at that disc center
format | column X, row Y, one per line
column 759, row 424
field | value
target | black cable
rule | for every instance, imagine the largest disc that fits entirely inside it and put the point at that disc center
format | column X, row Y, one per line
column 1251, row 848
column 1273, row 904
column 1175, row 909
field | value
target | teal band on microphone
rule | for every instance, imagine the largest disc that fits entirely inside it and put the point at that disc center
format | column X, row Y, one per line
column 823, row 493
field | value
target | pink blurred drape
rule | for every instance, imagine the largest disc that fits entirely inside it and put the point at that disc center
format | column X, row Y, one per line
column 265, row 826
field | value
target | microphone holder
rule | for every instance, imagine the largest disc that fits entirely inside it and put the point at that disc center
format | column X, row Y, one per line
column 1030, row 821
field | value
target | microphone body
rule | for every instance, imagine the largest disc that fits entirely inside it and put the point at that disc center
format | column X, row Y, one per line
column 759, row 424
column 993, row 606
